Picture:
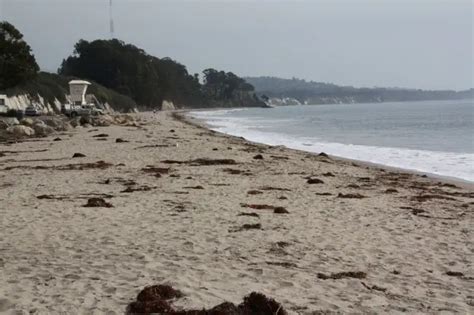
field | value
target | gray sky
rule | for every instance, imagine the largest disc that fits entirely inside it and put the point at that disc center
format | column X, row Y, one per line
column 406, row 43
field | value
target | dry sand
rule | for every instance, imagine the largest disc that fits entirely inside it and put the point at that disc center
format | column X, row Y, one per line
column 411, row 246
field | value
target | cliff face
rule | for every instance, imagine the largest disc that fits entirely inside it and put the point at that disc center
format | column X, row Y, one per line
column 48, row 91
column 22, row 101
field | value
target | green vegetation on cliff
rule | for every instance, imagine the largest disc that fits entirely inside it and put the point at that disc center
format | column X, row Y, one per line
column 149, row 80
column 53, row 87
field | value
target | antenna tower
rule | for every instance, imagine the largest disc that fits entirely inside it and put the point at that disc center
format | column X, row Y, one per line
column 111, row 20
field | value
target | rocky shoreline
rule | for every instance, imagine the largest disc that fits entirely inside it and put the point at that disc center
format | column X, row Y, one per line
column 91, row 219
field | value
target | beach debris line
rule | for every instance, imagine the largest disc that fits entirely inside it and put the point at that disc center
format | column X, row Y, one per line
column 194, row 187
column 276, row 209
column 247, row 226
column 273, row 188
column 249, row 214
column 341, row 275
column 351, row 196
column 71, row 197
column 66, row 167
column 233, row 171
column 373, row 287
column 132, row 188
column 203, row 161
column 282, row 264
column 155, row 171
column 160, row 298
column 100, row 135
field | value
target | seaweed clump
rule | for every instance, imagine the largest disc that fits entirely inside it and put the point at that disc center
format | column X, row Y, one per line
column 158, row 299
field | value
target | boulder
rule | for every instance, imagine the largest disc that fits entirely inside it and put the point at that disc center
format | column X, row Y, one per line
column 21, row 131
column 41, row 129
column 75, row 122
column 6, row 122
column 3, row 125
column 27, row 122
column 57, row 123
column 103, row 121
column 124, row 119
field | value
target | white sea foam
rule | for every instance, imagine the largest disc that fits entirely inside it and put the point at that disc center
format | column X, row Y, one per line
column 458, row 165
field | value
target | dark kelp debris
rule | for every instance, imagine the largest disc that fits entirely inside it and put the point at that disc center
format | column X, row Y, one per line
column 159, row 298
column 97, row 202
column 344, row 274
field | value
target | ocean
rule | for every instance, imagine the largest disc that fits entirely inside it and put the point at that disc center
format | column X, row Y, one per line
column 434, row 137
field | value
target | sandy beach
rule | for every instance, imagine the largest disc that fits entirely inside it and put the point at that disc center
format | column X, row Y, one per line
column 217, row 218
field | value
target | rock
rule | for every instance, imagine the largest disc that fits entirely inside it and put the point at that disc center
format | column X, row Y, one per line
column 57, row 139
column 350, row 196
column 41, row 129
column 258, row 157
column 85, row 120
column 21, row 131
column 102, row 121
column 75, row 122
column 124, row 119
column 120, row 140
column 131, row 124
column 27, row 122
column 57, row 123
column 6, row 122
column 3, row 125
column 78, row 155
column 98, row 202
column 322, row 154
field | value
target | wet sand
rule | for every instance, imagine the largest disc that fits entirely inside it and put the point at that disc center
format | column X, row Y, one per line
column 218, row 217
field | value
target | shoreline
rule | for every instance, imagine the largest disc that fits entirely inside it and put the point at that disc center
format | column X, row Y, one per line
column 218, row 217
column 184, row 115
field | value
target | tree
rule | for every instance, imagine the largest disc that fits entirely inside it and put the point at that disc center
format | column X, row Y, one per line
column 131, row 71
column 17, row 63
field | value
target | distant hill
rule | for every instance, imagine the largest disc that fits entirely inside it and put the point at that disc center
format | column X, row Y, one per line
column 288, row 91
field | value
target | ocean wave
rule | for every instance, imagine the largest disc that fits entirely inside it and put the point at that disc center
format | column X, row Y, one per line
column 457, row 165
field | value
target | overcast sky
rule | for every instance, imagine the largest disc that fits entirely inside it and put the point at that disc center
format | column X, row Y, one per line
column 406, row 43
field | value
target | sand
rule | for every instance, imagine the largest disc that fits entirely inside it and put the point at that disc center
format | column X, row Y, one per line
column 404, row 241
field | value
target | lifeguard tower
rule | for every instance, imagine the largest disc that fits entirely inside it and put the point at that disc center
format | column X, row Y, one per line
column 77, row 91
